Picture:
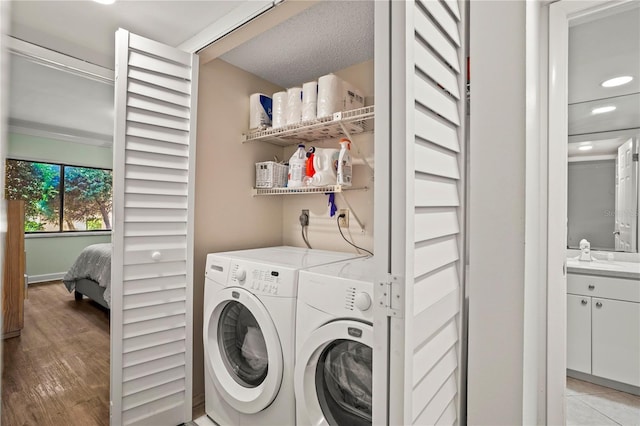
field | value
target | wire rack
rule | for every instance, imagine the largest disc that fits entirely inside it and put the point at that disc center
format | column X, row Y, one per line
column 304, row 190
column 340, row 123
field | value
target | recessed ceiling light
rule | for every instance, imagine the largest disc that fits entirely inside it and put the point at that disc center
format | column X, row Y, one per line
column 585, row 147
column 105, row 1
column 617, row 81
column 603, row 109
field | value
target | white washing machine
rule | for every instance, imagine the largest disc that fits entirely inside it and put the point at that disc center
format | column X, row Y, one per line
column 334, row 344
column 249, row 332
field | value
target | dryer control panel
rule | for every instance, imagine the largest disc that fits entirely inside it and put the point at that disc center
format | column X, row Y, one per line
column 264, row 279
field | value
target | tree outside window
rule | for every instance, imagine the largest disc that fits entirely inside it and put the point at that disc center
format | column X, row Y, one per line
column 80, row 201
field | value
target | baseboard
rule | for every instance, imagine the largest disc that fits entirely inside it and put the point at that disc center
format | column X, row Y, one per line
column 624, row 387
column 32, row 279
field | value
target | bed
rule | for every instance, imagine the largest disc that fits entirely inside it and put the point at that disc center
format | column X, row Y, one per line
column 90, row 274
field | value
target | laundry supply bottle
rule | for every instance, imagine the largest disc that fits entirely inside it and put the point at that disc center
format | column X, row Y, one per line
column 344, row 163
column 310, row 171
column 297, row 167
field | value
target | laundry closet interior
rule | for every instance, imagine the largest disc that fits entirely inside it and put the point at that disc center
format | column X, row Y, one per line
column 415, row 120
column 326, row 38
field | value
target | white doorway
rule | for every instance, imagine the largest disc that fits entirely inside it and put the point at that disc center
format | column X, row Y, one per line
column 572, row 124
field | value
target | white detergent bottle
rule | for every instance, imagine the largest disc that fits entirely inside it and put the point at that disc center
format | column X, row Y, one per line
column 297, row 168
column 344, row 163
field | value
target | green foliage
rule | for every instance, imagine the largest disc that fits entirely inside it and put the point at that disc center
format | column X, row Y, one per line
column 94, row 224
column 31, row 226
column 87, row 195
column 38, row 184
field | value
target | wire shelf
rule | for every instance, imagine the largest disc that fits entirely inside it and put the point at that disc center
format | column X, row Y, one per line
column 354, row 121
column 304, row 190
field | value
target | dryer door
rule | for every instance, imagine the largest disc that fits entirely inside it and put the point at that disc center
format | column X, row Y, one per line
column 333, row 374
column 242, row 350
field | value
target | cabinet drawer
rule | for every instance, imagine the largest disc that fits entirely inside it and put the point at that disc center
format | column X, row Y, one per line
column 610, row 288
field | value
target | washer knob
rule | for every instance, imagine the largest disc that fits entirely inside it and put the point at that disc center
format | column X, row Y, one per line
column 241, row 274
column 362, row 301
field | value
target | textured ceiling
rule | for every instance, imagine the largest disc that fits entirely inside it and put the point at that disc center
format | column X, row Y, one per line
column 328, row 37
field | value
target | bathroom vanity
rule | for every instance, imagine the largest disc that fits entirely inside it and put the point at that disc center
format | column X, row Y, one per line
column 603, row 323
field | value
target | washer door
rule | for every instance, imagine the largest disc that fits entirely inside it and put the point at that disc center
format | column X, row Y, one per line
column 333, row 374
column 242, row 350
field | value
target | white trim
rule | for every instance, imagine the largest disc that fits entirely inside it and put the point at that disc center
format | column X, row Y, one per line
column 556, row 213
column 382, row 208
column 29, row 236
column 117, row 263
column 33, row 279
column 31, row 128
column 622, row 134
column 591, row 158
column 59, row 61
column 242, row 14
column 401, row 194
column 190, row 236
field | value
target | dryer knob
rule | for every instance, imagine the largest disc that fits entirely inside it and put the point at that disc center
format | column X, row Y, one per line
column 362, row 301
column 241, row 274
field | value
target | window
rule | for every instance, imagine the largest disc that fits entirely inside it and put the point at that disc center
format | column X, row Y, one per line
column 60, row 198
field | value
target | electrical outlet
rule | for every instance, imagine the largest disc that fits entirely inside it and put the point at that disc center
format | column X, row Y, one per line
column 304, row 217
column 344, row 221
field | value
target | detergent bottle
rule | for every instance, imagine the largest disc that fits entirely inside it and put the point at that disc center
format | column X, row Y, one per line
column 297, row 168
column 344, row 163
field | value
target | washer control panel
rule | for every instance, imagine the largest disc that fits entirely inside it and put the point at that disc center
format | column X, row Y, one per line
column 263, row 279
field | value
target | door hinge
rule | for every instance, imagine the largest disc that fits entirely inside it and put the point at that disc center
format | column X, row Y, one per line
column 634, row 157
column 391, row 296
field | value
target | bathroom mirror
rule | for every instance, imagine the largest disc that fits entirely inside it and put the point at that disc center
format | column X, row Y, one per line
column 603, row 194
column 604, row 130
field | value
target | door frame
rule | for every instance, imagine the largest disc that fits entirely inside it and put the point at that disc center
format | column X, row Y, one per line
column 554, row 188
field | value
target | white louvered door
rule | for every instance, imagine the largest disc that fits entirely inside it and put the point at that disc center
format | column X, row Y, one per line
column 427, row 98
column 152, row 265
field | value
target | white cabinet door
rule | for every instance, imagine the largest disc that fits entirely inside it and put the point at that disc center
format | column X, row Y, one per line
column 419, row 149
column 579, row 333
column 152, row 263
column 616, row 340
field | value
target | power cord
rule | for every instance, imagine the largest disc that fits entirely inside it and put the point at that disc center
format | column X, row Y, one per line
column 304, row 224
column 345, row 238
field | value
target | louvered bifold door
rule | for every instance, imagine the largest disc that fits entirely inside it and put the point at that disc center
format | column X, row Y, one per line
column 152, row 291
column 427, row 115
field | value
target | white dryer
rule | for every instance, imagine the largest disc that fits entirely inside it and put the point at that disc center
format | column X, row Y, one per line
column 334, row 343
column 249, row 332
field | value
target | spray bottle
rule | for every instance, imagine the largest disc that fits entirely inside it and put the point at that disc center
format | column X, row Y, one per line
column 344, row 163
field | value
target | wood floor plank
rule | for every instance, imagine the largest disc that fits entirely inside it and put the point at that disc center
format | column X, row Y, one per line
column 57, row 371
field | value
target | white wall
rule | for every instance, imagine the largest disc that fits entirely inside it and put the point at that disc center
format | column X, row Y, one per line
column 49, row 257
column 227, row 217
column 323, row 231
column 496, row 213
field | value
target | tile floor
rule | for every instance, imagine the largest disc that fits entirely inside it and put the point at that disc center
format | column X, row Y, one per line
column 590, row 404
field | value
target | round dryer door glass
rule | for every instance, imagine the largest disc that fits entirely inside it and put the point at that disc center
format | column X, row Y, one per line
column 343, row 383
column 242, row 345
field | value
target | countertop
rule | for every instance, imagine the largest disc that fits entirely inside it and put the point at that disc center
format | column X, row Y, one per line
column 605, row 268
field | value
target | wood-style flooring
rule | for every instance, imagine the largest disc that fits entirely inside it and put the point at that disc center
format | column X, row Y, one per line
column 57, row 371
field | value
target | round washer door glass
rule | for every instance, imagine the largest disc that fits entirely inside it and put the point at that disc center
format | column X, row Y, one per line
column 242, row 345
column 344, row 383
